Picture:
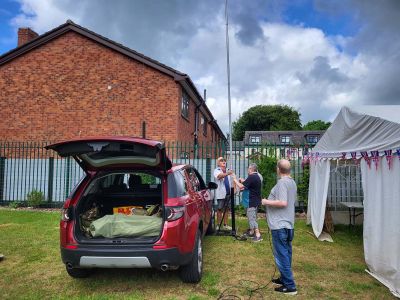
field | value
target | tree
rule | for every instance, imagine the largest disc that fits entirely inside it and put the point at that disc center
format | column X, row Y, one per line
column 266, row 117
column 317, row 125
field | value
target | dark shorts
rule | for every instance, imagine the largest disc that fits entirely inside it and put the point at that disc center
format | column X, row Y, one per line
column 222, row 203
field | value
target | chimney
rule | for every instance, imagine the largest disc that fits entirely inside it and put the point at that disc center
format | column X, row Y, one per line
column 25, row 35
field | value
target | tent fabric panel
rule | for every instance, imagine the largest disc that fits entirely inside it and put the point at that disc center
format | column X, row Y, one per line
column 355, row 132
column 317, row 194
column 381, row 222
column 387, row 112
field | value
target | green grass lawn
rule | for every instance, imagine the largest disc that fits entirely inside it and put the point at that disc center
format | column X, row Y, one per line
column 32, row 268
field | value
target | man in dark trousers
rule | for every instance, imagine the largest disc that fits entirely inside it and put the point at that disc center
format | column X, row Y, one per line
column 253, row 184
column 280, row 217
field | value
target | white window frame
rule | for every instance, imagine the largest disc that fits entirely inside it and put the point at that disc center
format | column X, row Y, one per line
column 314, row 137
column 284, row 139
column 255, row 139
column 185, row 105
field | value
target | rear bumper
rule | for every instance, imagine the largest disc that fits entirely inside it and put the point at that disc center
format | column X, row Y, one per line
column 100, row 257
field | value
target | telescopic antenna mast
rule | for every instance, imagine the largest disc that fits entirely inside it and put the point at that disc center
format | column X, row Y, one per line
column 230, row 160
column 228, row 71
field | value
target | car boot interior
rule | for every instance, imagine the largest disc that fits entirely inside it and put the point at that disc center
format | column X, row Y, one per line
column 120, row 206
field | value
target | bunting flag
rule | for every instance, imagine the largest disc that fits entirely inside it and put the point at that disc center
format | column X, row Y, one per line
column 375, row 158
column 354, row 157
column 344, row 155
column 389, row 157
column 317, row 156
column 367, row 159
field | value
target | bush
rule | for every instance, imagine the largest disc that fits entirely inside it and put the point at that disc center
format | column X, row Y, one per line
column 15, row 204
column 302, row 187
column 267, row 168
column 35, row 198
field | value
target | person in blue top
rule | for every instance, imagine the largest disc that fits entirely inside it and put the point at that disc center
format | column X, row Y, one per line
column 253, row 184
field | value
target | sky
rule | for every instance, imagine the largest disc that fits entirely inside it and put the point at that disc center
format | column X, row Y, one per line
column 313, row 55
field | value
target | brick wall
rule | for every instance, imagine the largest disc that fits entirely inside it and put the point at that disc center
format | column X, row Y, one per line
column 72, row 87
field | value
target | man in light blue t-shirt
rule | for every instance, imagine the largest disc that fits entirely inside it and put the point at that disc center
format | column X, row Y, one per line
column 280, row 217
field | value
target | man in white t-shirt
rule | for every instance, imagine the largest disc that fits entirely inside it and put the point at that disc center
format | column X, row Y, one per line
column 222, row 193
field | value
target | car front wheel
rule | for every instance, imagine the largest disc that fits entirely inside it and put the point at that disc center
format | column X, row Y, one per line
column 192, row 272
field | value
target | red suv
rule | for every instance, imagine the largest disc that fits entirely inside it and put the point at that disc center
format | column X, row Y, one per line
column 133, row 209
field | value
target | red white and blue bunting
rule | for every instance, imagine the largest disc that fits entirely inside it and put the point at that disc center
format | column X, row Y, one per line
column 367, row 159
column 389, row 158
column 354, row 157
column 372, row 156
column 375, row 159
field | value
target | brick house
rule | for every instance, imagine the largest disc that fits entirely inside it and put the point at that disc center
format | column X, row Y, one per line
column 71, row 82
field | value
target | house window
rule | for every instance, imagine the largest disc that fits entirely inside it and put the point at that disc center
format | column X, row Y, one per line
column 185, row 105
column 255, row 139
column 203, row 122
column 285, row 139
column 312, row 139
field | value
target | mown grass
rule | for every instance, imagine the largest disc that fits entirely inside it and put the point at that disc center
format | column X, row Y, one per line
column 32, row 268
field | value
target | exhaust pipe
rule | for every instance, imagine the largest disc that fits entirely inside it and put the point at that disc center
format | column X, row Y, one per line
column 164, row 267
column 69, row 266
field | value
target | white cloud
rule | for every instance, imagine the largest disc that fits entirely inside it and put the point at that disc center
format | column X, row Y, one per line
column 268, row 72
column 42, row 16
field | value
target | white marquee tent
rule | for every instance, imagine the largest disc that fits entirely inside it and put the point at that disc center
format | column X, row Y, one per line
column 370, row 134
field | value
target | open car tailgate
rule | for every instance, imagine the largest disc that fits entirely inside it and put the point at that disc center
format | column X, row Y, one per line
column 102, row 153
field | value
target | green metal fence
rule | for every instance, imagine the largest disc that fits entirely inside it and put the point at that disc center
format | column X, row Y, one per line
column 203, row 157
column 27, row 166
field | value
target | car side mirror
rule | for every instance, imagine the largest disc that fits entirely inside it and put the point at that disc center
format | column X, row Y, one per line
column 212, row 185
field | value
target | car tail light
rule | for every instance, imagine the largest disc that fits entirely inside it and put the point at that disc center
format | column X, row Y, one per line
column 174, row 212
column 66, row 211
column 65, row 214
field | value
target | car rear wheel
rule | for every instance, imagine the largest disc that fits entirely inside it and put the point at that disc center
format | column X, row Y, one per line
column 192, row 272
column 77, row 272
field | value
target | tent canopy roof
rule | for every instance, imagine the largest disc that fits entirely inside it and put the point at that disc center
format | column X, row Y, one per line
column 365, row 128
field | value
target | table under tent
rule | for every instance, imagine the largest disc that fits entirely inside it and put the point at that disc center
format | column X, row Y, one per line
column 370, row 135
